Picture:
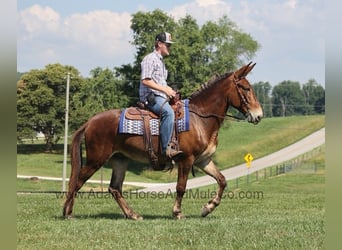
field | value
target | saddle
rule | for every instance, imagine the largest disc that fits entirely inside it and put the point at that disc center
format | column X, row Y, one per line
column 142, row 113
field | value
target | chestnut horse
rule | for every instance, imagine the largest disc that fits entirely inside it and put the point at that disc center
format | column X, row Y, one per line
column 208, row 107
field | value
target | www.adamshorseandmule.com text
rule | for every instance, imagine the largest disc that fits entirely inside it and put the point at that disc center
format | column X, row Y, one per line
column 190, row 194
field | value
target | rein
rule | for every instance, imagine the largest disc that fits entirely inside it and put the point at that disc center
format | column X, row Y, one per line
column 225, row 117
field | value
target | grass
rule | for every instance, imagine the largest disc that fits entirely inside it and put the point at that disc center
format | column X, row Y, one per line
column 235, row 140
column 270, row 135
column 28, row 185
column 289, row 215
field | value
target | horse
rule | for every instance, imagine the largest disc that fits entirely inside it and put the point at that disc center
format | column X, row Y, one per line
column 208, row 107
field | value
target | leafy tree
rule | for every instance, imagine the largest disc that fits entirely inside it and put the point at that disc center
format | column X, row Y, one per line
column 314, row 97
column 199, row 52
column 102, row 91
column 186, row 71
column 145, row 27
column 287, row 99
column 107, row 89
column 227, row 46
column 41, row 102
column 263, row 92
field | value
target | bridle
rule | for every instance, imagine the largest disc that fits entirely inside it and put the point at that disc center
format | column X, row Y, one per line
column 238, row 86
column 227, row 116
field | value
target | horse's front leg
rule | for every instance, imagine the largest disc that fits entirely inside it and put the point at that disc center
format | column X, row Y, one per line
column 211, row 169
column 183, row 172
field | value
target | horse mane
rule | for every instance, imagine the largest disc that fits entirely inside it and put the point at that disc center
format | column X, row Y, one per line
column 212, row 81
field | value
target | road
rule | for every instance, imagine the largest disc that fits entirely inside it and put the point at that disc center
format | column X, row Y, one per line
column 307, row 144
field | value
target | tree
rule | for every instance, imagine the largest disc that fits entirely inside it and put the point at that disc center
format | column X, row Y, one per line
column 263, row 91
column 287, row 99
column 198, row 54
column 100, row 92
column 41, row 101
column 186, row 66
column 145, row 27
column 314, row 97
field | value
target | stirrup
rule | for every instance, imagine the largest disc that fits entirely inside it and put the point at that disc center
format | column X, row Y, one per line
column 172, row 153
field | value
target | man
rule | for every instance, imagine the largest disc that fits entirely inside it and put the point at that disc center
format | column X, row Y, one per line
column 155, row 92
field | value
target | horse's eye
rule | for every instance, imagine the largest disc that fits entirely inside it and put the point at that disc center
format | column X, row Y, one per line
column 244, row 87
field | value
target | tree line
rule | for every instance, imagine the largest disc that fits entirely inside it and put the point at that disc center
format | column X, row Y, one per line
column 200, row 52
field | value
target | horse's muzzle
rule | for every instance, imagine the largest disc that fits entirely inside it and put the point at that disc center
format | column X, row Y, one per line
column 254, row 116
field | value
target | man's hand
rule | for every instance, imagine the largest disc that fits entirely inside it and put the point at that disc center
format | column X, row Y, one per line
column 170, row 92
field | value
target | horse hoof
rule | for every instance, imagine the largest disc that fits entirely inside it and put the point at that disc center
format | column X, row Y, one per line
column 179, row 216
column 68, row 217
column 205, row 211
column 136, row 217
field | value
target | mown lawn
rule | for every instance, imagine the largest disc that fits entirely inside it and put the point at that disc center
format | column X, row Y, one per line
column 287, row 213
column 235, row 140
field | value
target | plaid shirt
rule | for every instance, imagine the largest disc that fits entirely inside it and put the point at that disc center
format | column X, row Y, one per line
column 153, row 67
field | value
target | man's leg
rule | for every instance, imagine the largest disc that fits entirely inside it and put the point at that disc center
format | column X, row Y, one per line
column 167, row 116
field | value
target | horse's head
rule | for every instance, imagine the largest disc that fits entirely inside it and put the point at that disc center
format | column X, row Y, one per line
column 242, row 96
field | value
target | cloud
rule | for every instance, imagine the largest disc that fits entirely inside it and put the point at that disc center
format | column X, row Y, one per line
column 103, row 30
column 291, row 34
column 38, row 20
column 81, row 38
column 291, row 3
column 202, row 10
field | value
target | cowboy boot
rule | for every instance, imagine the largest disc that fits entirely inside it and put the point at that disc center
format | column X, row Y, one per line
column 173, row 153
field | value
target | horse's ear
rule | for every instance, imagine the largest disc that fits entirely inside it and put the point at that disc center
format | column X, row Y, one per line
column 244, row 70
column 249, row 69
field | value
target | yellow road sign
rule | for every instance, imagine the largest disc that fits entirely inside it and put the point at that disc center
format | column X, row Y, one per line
column 248, row 159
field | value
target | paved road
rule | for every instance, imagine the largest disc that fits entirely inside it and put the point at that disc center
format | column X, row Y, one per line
column 312, row 141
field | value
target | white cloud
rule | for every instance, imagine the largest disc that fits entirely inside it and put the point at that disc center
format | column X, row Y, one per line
column 206, row 3
column 38, row 20
column 290, row 32
column 202, row 10
column 291, row 3
column 82, row 38
column 101, row 30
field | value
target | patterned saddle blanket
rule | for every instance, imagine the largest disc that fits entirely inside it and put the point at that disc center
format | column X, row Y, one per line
column 131, row 121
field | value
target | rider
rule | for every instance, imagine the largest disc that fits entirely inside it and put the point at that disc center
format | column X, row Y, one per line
column 154, row 90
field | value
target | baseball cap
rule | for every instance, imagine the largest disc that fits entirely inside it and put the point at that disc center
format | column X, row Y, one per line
column 164, row 37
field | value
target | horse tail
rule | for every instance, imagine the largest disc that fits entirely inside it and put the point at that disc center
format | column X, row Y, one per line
column 76, row 156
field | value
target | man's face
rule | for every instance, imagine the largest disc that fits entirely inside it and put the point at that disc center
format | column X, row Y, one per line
column 164, row 48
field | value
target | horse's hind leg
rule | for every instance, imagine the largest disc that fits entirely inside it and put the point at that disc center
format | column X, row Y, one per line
column 85, row 173
column 119, row 165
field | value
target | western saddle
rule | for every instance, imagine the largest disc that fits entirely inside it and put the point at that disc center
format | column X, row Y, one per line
column 140, row 112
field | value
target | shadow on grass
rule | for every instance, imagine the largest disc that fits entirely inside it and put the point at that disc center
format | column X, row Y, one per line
column 39, row 148
column 119, row 216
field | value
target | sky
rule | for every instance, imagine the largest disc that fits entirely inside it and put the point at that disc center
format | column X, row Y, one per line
column 88, row 34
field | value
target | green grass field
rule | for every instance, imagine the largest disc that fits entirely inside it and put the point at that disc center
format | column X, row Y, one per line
column 287, row 213
column 235, row 140
column 280, row 212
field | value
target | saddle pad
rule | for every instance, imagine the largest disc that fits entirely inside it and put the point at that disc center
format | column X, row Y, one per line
column 136, row 127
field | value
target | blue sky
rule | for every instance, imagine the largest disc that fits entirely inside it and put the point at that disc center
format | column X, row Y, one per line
column 87, row 33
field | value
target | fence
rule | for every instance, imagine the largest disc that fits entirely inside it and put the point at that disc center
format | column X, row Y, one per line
column 303, row 163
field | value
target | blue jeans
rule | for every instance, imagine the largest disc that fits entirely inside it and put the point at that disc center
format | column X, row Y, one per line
column 167, row 116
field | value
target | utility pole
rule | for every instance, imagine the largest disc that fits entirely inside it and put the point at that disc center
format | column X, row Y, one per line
column 66, row 132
